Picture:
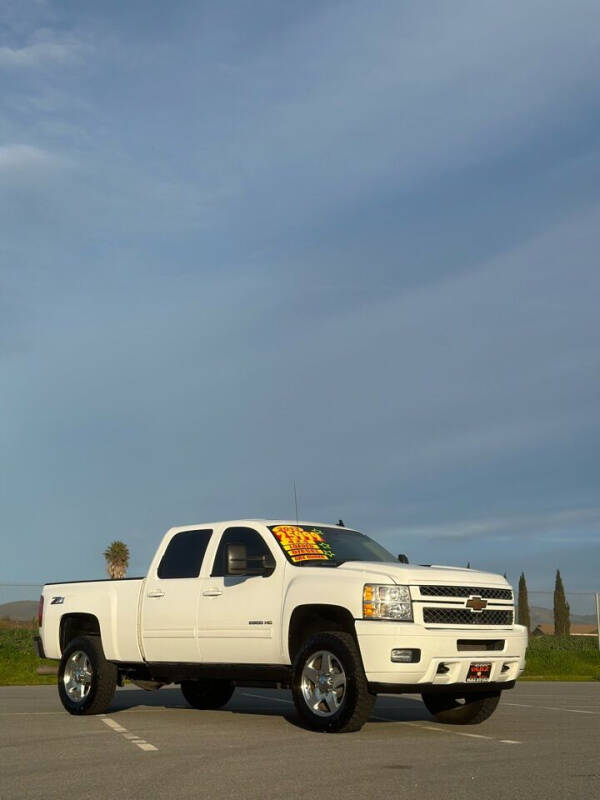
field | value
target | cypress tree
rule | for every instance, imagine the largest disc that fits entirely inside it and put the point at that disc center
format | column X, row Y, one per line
column 562, row 619
column 523, row 616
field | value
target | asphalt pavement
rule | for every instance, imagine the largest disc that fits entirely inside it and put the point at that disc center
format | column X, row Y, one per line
column 542, row 742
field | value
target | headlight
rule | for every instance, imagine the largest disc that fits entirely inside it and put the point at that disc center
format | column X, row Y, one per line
column 387, row 601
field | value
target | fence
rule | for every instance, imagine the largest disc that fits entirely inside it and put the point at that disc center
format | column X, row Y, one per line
column 584, row 613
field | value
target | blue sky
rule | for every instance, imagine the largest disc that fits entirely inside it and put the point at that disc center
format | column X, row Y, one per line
column 349, row 244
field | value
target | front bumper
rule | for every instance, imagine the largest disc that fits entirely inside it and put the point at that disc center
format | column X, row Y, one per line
column 438, row 646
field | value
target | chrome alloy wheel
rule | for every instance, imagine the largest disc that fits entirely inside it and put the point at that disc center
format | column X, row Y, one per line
column 77, row 677
column 323, row 683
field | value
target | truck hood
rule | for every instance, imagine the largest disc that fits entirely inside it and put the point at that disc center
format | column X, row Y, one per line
column 411, row 574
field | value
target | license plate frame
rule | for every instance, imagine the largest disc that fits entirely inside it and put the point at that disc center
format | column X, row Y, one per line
column 479, row 672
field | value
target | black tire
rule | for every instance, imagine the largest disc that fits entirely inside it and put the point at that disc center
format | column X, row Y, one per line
column 467, row 710
column 208, row 693
column 101, row 683
column 355, row 700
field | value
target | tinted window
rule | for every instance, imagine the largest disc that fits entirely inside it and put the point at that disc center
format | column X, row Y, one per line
column 255, row 548
column 183, row 557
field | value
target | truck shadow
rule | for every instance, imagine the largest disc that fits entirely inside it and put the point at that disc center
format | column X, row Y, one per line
column 387, row 709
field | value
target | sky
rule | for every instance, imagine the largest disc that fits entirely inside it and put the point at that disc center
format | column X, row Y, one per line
column 351, row 245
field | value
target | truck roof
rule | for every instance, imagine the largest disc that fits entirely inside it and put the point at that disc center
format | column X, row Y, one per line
column 250, row 520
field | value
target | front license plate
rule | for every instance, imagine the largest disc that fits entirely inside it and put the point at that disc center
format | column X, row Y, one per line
column 479, row 673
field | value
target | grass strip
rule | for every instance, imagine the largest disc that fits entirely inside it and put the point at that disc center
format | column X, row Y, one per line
column 562, row 658
column 18, row 659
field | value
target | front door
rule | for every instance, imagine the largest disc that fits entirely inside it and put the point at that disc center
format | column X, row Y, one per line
column 171, row 598
column 240, row 616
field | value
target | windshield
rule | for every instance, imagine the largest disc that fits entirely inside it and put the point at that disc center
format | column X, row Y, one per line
column 315, row 545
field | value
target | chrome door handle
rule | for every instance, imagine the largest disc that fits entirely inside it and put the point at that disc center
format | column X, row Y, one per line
column 156, row 593
column 212, row 593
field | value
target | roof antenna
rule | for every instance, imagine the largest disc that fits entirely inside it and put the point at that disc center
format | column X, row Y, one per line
column 296, row 501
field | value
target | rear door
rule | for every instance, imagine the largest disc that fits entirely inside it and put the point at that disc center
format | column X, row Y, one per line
column 170, row 600
column 240, row 616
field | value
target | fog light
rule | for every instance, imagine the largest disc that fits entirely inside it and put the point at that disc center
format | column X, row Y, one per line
column 405, row 656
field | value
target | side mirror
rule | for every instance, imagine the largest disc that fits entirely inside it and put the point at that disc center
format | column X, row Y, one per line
column 402, row 558
column 268, row 565
column 237, row 562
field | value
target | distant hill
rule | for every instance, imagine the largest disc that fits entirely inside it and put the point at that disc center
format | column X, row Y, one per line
column 545, row 616
column 22, row 610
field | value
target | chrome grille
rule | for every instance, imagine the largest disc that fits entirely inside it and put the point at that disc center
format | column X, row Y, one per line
column 462, row 616
column 466, row 591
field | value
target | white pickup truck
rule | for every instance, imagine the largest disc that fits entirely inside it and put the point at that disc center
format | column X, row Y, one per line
column 321, row 609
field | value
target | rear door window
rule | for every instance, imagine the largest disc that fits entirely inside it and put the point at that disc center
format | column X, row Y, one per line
column 184, row 555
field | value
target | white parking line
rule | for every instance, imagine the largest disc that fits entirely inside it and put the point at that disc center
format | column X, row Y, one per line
column 114, row 725
column 445, row 730
column 572, row 710
column 132, row 737
column 268, row 699
column 552, row 708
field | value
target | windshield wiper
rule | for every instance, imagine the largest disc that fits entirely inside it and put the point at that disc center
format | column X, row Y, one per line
column 318, row 563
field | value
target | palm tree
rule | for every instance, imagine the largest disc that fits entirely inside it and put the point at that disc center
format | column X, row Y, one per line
column 117, row 559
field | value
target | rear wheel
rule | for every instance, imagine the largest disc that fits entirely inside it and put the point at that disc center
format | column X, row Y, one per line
column 86, row 680
column 329, row 685
column 470, row 709
column 207, row 694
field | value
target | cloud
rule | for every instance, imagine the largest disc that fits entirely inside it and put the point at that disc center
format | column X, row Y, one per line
column 509, row 524
column 35, row 55
column 402, row 101
column 25, row 157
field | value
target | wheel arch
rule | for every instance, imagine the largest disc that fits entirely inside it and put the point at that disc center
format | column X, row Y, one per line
column 77, row 624
column 311, row 618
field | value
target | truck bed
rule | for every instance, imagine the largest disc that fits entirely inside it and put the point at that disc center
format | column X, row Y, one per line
column 115, row 603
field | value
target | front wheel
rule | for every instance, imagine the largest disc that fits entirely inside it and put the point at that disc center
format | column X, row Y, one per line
column 470, row 709
column 329, row 686
column 207, row 694
column 86, row 680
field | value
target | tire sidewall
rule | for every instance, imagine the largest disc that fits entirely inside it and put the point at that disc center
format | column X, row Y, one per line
column 350, row 663
column 90, row 648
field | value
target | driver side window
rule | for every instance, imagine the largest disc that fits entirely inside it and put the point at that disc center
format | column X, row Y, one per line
column 256, row 547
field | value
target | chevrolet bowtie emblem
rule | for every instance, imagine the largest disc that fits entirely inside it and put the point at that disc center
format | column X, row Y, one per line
column 476, row 603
